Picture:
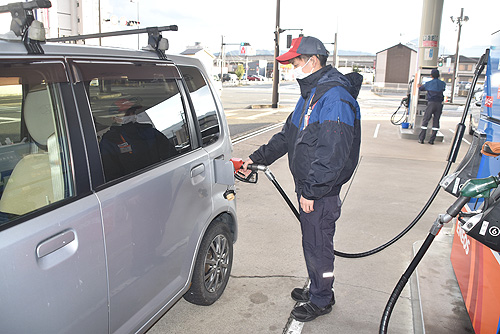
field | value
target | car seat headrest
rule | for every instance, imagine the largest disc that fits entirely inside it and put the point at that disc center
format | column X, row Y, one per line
column 38, row 116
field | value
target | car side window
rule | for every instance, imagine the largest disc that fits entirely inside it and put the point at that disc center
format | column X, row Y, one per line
column 139, row 114
column 203, row 103
column 34, row 154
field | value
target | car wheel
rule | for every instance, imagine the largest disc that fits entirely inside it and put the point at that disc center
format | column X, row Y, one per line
column 212, row 267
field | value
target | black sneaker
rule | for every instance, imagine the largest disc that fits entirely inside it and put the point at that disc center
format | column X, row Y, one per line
column 309, row 311
column 302, row 295
column 431, row 142
column 420, row 141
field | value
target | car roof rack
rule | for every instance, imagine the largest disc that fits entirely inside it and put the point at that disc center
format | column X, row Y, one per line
column 155, row 39
column 22, row 20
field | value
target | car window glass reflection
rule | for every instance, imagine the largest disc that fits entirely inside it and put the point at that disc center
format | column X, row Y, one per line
column 139, row 116
column 34, row 159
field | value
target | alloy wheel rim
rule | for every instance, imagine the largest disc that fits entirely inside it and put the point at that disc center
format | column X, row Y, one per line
column 216, row 263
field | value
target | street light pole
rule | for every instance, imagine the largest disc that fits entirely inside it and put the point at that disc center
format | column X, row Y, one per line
column 459, row 21
column 276, row 69
column 221, row 58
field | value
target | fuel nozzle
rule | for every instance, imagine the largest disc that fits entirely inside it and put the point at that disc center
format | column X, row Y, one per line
column 473, row 188
column 248, row 176
column 480, row 188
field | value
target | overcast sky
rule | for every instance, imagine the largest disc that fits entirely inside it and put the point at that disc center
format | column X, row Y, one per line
column 362, row 25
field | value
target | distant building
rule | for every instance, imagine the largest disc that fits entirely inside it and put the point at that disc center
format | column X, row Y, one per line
column 81, row 17
column 394, row 67
column 206, row 58
column 466, row 67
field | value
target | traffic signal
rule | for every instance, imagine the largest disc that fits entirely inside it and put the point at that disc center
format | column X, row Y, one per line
column 440, row 61
column 244, row 44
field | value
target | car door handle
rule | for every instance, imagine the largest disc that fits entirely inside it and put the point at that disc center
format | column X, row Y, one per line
column 54, row 243
column 197, row 170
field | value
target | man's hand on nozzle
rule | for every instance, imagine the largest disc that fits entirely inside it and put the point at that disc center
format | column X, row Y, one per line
column 246, row 163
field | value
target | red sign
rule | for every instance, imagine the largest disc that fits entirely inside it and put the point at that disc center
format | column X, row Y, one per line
column 488, row 102
column 430, row 44
column 242, row 50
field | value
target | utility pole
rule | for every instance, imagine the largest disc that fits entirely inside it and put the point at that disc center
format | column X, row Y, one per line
column 276, row 68
column 138, row 26
column 100, row 20
column 458, row 21
column 221, row 58
column 335, row 50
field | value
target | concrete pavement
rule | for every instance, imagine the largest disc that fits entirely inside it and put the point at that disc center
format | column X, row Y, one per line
column 394, row 179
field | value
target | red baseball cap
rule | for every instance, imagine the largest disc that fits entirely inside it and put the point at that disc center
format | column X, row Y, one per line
column 306, row 45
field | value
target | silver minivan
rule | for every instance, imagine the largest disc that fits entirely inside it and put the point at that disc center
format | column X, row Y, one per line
column 114, row 184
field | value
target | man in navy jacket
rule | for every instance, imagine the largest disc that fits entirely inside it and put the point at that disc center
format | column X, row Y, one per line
column 322, row 137
column 435, row 89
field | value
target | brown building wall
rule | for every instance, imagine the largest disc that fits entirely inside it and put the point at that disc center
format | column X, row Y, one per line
column 398, row 64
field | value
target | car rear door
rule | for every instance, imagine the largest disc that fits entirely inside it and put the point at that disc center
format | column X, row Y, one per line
column 52, row 263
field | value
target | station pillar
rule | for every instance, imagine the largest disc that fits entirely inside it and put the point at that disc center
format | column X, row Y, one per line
column 428, row 54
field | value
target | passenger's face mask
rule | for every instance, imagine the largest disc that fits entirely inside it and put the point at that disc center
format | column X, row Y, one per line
column 299, row 74
column 125, row 119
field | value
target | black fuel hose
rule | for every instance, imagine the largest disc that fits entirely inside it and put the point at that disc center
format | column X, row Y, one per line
column 402, row 118
column 455, row 147
column 452, row 212
column 452, row 156
column 384, row 323
column 409, row 227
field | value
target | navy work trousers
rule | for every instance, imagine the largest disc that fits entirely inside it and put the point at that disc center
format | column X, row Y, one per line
column 318, row 229
column 434, row 109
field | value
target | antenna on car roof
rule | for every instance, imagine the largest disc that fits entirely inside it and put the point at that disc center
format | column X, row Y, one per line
column 23, row 23
column 155, row 39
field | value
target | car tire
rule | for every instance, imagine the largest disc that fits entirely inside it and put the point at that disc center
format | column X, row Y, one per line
column 212, row 267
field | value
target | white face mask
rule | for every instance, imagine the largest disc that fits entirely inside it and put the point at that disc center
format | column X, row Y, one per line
column 299, row 74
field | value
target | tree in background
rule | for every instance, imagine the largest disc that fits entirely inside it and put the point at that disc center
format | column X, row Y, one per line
column 239, row 71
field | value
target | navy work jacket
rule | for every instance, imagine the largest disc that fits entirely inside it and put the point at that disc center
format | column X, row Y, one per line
column 435, row 89
column 322, row 136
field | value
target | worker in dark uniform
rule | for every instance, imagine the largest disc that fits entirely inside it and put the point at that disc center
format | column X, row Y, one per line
column 435, row 89
column 322, row 138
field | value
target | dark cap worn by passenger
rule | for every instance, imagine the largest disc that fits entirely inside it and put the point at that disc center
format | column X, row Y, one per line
column 306, row 45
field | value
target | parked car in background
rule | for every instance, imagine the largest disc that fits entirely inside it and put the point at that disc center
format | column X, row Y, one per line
column 475, row 110
column 229, row 77
column 114, row 175
column 463, row 88
column 254, row 78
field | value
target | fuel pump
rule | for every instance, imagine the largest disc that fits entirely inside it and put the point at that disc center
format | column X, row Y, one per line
column 428, row 49
column 482, row 225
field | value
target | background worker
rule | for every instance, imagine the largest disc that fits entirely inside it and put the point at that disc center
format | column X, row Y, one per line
column 435, row 89
column 322, row 137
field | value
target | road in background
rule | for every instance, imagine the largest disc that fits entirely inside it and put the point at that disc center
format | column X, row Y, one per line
column 248, row 109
